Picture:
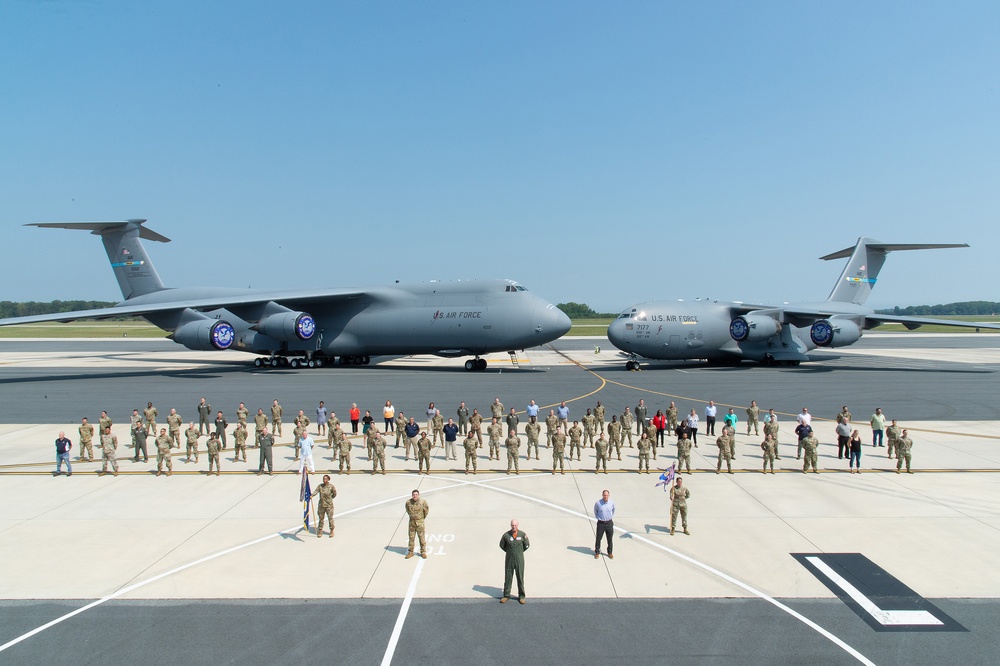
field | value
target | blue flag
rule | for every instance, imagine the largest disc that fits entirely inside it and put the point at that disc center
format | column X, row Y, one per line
column 667, row 477
column 305, row 496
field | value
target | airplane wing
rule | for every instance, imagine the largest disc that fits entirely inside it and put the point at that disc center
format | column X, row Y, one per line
column 916, row 322
column 230, row 301
column 802, row 317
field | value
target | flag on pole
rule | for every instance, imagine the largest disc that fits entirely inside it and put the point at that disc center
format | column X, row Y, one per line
column 305, row 496
column 667, row 477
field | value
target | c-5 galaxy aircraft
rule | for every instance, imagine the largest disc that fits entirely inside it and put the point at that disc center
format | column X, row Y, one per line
column 312, row 327
column 733, row 332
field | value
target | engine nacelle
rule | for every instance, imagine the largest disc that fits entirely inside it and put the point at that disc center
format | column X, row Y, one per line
column 753, row 328
column 206, row 335
column 836, row 333
column 288, row 326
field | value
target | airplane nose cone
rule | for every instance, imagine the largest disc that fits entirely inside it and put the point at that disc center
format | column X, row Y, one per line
column 555, row 321
column 616, row 333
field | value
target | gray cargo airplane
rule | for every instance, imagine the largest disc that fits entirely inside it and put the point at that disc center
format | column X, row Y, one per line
column 311, row 328
column 736, row 331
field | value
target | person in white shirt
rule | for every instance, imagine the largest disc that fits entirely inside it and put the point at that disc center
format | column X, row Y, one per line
column 710, row 413
column 306, row 453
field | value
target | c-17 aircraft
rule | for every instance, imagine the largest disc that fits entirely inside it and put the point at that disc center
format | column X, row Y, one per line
column 312, row 327
column 771, row 334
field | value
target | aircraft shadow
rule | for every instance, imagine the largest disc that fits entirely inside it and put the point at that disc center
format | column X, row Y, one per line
column 802, row 369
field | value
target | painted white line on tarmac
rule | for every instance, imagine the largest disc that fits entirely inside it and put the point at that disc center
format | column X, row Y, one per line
column 398, row 629
column 752, row 590
column 208, row 558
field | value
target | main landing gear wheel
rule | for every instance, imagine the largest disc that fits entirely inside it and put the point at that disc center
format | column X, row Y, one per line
column 294, row 363
column 257, row 362
column 631, row 365
column 475, row 364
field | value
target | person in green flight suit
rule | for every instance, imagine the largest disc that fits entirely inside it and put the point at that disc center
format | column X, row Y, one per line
column 514, row 543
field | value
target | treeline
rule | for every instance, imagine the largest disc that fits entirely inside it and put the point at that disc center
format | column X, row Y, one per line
column 965, row 308
column 582, row 311
column 33, row 308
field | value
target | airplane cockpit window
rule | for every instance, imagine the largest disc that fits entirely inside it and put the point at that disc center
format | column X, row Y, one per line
column 625, row 315
column 520, row 288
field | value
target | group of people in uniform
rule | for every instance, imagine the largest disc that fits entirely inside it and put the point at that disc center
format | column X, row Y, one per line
column 503, row 430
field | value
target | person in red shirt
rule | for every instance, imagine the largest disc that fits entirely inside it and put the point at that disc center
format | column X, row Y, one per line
column 355, row 417
column 660, row 421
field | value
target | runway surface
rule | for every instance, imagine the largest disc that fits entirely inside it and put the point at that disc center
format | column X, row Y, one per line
column 218, row 568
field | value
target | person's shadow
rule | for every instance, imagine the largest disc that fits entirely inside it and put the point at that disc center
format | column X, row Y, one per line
column 581, row 549
column 399, row 550
column 656, row 528
column 488, row 590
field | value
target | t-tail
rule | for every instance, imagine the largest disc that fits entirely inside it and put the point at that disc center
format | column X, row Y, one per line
column 134, row 271
column 866, row 258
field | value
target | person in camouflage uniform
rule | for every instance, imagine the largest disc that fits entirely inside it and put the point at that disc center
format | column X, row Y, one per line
column 378, row 449
column 575, row 439
column 105, row 422
column 533, row 430
column 892, row 434
column 753, row 418
column 424, row 446
column 684, row 452
column 589, row 429
column 86, row 440
column 476, row 427
column 324, row 510
column 174, row 423
column 494, row 432
column 770, row 449
column 191, row 435
column 150, row 414
column 672, row 417
column 437, row 427
column 903, row 446
column 729, row 432
column 109, row 451
column 551, row 423
column 260, row 423
column 343, row 448
column 809, row 446
column 599, row 412
column 401, row 421
column 470, row 445
column 771, row 429
column 242, row 414
column 214, row 446
column 513, row 443
column 615, row 436
column 601, row 450
column 644, row 446
column 678, row 505
column 276, row 412
column 650, row 433
column 417, row 510
column 558, row 450
column 163, row 446
column 240, row 439
column 723, row 443
column 627, row 421
column 496, row 409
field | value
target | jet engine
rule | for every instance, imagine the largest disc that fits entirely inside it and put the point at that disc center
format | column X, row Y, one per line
column 206, row 335
column 836, row 333
column 753, row 328
column 288, row 326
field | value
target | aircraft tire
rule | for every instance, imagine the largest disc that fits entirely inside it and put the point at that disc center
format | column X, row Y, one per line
column 257, row 363
column 481, row 364
column 344, row 360
column 311, row 363
column 365, row 360
column 472, row 364
column 318, row 362
column 274, row 362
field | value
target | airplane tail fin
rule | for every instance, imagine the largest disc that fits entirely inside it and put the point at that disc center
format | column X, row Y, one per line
column 133, row 269
column 855, row 284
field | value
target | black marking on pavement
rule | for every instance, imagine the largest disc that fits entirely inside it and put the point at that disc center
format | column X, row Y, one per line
column 878, row 598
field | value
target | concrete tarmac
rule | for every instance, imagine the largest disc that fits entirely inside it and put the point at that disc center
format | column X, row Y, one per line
column 222, row 563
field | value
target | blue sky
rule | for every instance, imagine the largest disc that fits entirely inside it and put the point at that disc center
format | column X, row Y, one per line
column 596, row 152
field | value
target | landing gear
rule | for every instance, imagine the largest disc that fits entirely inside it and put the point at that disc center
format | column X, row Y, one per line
column 632, row 366
column 475, row 364
column 355, row 360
